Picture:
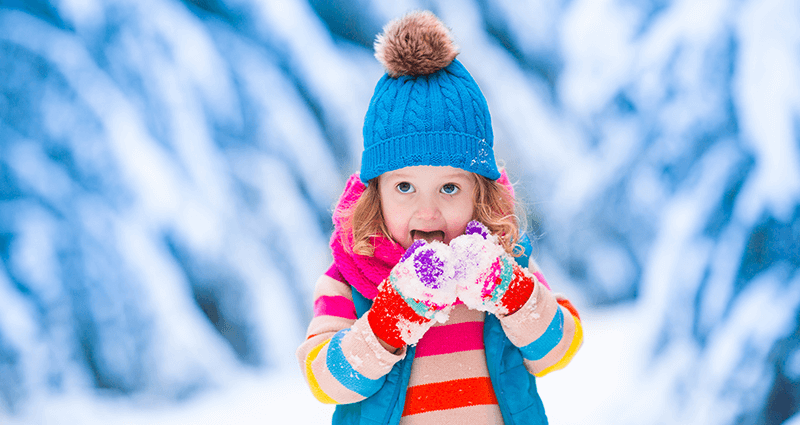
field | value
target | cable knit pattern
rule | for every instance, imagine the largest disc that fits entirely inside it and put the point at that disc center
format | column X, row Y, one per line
column 436, row 119
column 479, row 124
column 376, row 124
column 427, row 109
column 416, row 107
column 453, row 107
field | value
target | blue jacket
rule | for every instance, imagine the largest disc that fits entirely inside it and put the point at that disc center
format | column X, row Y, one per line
column 514, row 386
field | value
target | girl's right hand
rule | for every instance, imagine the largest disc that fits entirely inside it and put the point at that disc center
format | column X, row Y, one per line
column 419, row 291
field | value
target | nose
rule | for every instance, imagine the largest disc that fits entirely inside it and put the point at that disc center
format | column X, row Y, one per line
column 427, row 208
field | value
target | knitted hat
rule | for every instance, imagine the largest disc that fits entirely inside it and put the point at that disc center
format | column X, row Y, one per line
column 426, row 109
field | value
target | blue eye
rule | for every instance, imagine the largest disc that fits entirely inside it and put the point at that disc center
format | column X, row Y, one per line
column 405, row 187
column 450, row 189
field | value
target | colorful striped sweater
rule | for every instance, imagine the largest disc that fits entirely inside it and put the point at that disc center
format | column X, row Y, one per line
column 344, row 362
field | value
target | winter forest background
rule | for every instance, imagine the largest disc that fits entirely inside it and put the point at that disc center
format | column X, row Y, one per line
column 167, row 171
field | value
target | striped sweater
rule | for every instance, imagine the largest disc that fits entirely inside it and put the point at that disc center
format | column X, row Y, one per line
column 343, row 361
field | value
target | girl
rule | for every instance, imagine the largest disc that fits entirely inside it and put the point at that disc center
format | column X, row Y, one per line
column 430, row 313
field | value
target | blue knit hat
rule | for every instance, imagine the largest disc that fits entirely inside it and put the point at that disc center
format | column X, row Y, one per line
column 426, row 109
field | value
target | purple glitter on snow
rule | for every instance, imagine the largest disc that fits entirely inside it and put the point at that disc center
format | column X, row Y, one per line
column 429, row 268
column 414, row 246
column 477, row 227
column 467, row 263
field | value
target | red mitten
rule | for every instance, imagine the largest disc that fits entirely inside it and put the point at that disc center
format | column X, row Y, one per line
column 419, row 290
column 488, row 277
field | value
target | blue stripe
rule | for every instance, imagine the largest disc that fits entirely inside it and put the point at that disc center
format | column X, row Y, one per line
column 343, row 371
column 549, row 339
column 506, row 276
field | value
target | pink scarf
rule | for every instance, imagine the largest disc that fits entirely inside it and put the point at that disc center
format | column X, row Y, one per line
column 363, row 272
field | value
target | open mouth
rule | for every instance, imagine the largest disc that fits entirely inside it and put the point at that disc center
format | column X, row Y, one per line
column 436, row 235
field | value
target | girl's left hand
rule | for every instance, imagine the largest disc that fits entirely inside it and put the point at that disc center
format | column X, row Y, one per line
column 489, row 278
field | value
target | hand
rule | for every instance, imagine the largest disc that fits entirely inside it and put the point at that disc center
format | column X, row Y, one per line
column 488, row 277
column 419, row 290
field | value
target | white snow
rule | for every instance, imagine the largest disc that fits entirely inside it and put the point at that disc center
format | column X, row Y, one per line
column 474, row 256
column 249, row 398
column 438, row 267
column 152, row 121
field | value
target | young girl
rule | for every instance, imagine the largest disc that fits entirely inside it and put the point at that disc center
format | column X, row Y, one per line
column 431, row 313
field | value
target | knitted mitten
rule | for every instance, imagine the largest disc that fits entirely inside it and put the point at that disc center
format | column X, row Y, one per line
column 419, row 290
column 488, row 277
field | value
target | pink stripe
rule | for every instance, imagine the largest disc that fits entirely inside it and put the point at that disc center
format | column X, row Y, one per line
column 453, row 338
column 541, row 279
column 336, row 305
column 334, row 273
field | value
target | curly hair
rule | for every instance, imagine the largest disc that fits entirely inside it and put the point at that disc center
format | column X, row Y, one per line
column 495, row 207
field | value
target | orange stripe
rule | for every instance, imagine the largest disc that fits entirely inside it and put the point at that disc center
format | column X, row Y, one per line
column 449, row 395
column 568, row 305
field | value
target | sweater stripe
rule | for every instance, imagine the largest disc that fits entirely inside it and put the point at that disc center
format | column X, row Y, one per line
column 540, row 347
column 312, row 380
column 577, row 340
column 336, row 305
column 449, row 395
column 343, row 371
column 448, row 339
column 568, row 305
column 541, row 278
column 448, row 367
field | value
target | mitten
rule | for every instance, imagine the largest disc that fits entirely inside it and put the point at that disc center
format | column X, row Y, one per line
column 419, row 290
column 488, row 277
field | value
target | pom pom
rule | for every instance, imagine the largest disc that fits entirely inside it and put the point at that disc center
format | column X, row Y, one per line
column 416, row 44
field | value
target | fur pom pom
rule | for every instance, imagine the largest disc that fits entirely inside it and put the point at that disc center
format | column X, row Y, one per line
column 416, row 44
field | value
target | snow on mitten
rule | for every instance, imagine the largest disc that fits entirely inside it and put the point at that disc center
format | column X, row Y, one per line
column 419, row 290
column 488, row 277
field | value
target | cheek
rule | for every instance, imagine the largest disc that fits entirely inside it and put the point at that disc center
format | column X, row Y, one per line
column 396, row 229
column 394, row 216
column 458, row 218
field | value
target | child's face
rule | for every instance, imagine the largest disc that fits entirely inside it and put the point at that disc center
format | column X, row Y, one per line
column 426, row 202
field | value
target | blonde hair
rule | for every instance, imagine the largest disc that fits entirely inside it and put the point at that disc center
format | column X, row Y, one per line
column 495, row 207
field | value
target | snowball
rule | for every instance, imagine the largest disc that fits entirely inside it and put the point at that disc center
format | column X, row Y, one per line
column 427, row 277
column 476, row 266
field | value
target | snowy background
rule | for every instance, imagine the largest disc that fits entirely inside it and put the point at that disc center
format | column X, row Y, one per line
column 167, row 171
